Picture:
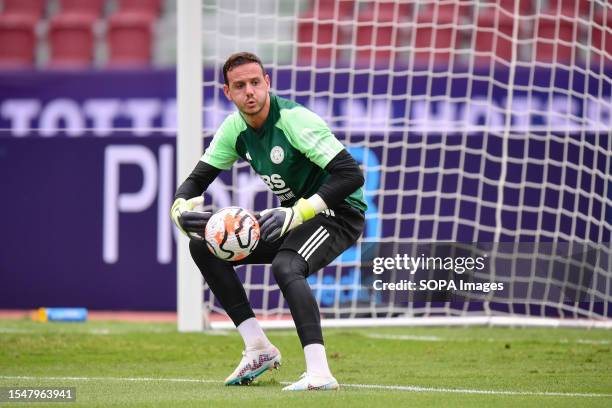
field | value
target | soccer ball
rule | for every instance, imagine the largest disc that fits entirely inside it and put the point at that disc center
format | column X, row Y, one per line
column 232, row 233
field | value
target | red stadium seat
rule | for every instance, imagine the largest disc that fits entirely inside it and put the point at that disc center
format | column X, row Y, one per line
column 377, row 28
column 525, row 6
column 32, row 8
column 458, row 8
column 93, row 8
column 493, row 36
column 318, row 37
column 152, row 7
column 601, row 32
column 17, row 40
column 71, row 40
column 581, row 6
column 555, row 41
column 436, row 35
column 391, row 9
column 130, row 38
column 346, row 8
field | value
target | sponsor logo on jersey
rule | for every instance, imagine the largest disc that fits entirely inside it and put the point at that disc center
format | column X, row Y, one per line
column 277, row 155
column 278, row 186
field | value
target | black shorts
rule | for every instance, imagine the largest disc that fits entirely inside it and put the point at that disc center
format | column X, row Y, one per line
column 319, row 240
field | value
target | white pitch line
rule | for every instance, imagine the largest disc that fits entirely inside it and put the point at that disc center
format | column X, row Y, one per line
column 404, row 337
column 97, row 332
column 135, row 379
column 487, row 339
column 597, row 342
column 410, row 388
column 9, row 330
column 481, row 392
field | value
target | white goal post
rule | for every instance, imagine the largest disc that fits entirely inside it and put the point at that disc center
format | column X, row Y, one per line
column 188, row 152
column 484, row 123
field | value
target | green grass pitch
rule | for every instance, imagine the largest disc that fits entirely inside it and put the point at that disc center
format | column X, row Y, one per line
column 143, row 365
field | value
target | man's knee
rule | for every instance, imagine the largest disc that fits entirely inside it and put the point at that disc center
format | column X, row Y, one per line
column 200, row 253
column 287, row 267
column 197, row 247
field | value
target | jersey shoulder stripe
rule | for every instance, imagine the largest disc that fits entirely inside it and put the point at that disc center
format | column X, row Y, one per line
column 308, row 133
column 221, row 153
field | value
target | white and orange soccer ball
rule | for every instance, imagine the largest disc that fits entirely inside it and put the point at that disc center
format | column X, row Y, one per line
column 232, row 233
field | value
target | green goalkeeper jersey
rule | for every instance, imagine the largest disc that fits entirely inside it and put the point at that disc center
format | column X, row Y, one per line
column 290, row 151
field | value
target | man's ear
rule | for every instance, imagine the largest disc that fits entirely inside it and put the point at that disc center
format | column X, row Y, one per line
column 227, row 92
column 267, row 79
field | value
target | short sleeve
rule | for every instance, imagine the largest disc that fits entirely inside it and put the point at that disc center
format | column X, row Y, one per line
column 221, row 153
column 308, row 133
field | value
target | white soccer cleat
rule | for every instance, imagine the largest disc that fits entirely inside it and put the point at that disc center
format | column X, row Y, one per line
column 313, row 383
column 254, row 363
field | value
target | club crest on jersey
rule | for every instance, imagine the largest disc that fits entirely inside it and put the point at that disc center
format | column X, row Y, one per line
column 277, row 155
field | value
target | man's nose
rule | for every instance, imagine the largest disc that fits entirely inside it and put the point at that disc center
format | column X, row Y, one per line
column 249, row 89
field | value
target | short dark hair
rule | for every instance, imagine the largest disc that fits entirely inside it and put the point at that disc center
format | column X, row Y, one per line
column 240, row 58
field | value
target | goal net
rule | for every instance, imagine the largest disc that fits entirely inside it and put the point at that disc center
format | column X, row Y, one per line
column 483, row 130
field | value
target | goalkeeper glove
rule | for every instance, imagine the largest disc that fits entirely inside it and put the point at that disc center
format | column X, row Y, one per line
column 276, row 222
column 189, row 222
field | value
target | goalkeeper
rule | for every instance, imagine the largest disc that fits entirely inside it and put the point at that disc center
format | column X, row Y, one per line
column 318, row 184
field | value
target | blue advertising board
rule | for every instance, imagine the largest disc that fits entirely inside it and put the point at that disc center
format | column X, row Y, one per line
column 87, row 165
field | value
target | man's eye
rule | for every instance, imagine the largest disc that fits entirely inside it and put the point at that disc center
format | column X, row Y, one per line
column 255, row 82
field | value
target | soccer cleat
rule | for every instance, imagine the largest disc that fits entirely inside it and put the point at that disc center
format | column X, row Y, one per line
column 254, row 363
column 313, row 383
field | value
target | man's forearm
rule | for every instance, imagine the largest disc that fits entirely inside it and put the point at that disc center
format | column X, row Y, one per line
column 198, row 181
column 345, row 177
